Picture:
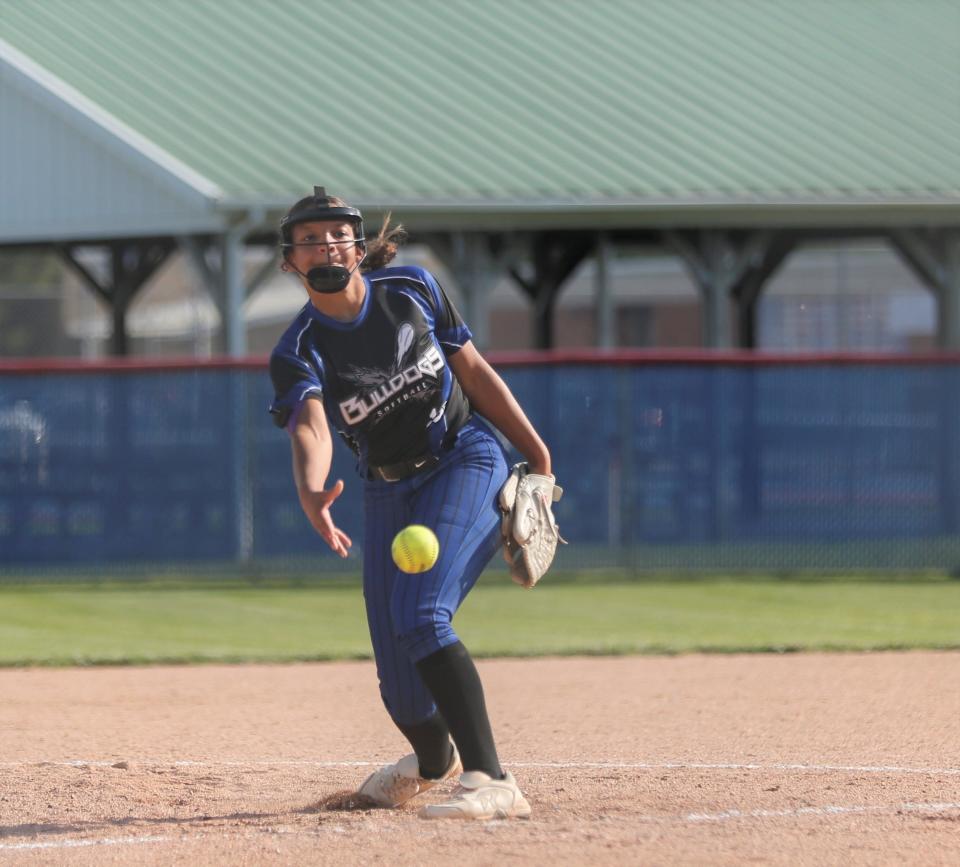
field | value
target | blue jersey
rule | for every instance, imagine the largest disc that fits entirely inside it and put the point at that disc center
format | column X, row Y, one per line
column 383, row 377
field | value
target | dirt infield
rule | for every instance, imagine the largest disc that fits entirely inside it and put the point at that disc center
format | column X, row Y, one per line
column 754, row 759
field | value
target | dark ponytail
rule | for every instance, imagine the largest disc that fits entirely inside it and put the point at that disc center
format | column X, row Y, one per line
column 382, row 250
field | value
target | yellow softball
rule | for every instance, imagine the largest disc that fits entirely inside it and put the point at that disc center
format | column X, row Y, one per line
column 415, row 548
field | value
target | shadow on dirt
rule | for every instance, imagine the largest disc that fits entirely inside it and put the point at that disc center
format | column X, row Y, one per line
column 36, row 829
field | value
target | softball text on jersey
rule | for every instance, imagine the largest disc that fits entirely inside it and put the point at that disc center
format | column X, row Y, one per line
column 423, row 374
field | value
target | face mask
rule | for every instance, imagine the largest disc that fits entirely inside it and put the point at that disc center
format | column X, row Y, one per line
column 326, row 279
column 329, row 279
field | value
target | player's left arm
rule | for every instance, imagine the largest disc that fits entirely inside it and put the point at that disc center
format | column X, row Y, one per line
column 492, row 398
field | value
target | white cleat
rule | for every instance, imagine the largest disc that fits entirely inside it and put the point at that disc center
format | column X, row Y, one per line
column 479, row 796
column 396, row 784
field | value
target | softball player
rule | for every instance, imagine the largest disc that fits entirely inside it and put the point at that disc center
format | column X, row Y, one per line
column 381, row 355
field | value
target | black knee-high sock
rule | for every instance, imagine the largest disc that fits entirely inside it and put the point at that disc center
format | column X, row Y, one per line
column 452, row 679
column 430, row 740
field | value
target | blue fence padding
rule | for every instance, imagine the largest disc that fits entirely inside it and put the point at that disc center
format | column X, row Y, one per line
column 656, row 459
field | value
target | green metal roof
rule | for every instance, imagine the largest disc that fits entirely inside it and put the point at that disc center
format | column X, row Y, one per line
column 540, row 102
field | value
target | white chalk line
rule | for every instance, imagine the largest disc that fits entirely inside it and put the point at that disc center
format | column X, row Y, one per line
column 626, row 766
column 73, row 844
column 725, row 815
column 683, row 818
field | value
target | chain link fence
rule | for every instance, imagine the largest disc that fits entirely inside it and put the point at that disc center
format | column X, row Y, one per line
column 667, row 464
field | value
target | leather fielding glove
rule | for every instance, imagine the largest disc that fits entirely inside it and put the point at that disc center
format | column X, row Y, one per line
column 529, row 529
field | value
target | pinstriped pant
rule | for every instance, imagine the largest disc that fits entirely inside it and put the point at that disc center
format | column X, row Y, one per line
column 410, row 615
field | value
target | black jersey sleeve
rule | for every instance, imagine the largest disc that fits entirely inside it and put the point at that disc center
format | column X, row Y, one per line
column 294, row 380
column 451, row 331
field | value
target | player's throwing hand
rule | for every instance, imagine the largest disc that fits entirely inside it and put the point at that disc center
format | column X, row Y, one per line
column 316, row 506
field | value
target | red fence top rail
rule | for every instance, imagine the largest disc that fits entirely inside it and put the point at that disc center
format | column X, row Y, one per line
column 634, row 357
column 620, row 357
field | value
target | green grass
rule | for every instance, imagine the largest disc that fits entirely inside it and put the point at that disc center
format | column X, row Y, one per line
column 175, row 622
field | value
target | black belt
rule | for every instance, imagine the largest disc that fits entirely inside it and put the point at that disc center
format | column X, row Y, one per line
column 403, row 470
column 419, row 464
